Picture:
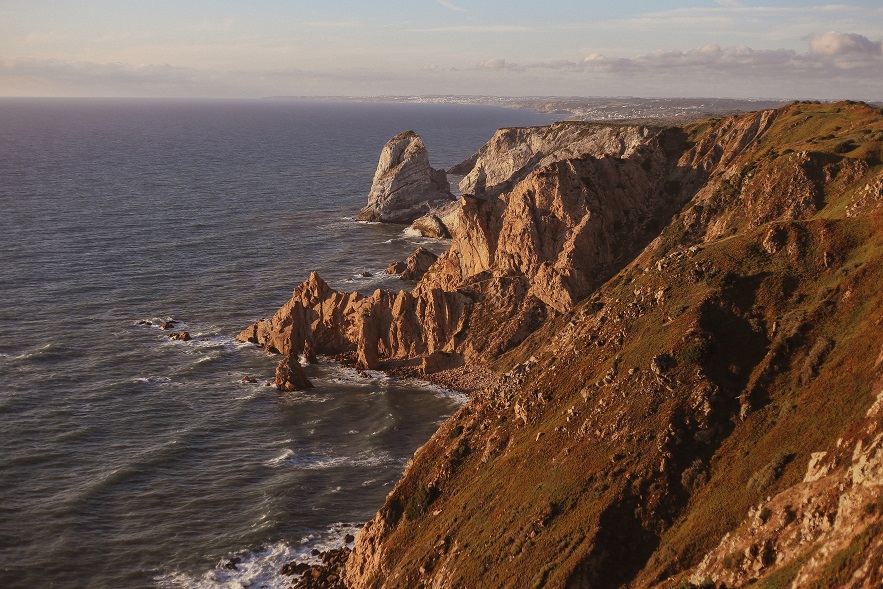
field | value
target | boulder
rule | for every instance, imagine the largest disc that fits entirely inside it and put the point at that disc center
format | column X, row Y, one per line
column 405, row 185
column 441, row 222
column 430, row 225
column 290, row 375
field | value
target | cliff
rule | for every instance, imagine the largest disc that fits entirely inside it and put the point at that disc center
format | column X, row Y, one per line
column 683, row 328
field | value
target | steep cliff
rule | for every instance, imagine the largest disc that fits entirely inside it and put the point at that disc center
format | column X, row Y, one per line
column 685, row 331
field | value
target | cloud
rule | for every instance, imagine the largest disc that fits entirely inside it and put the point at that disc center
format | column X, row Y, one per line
column 827, row 50
column 494, row 64
column 215, row 25
column 839, row 44
column 451, row 6
column 481, row 29
column 41, row 38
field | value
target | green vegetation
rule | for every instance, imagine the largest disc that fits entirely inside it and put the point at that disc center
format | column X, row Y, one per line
column 846, row 561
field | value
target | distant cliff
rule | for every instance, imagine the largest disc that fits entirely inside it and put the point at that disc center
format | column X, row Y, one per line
column 683, row 329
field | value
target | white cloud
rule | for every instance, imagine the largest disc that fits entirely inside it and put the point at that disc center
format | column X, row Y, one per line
column 451, row 6
column 215, row 26
column 494, row 64
column 838, row 44
column 476, row 29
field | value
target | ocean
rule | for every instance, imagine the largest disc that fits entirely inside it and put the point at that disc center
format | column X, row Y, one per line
column 132, row 460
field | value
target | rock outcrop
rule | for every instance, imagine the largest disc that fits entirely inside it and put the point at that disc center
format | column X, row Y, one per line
column 415, row 266
column 405, row 186
column 441, row 222
column 290, row 375
column 513, row 152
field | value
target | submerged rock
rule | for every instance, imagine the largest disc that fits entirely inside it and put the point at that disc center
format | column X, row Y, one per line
column 405, row 185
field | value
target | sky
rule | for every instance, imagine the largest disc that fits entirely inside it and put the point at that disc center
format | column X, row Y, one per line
column 788, row 49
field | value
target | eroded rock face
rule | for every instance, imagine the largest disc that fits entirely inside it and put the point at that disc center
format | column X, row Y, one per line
column 405, row 185
column 513, row 152
column 834, row 509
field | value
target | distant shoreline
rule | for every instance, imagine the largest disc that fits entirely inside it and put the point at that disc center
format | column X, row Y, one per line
column 609, row 109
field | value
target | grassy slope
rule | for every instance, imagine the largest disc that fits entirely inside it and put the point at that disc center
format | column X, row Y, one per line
column 585, row 480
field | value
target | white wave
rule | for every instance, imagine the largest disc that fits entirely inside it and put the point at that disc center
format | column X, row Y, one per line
column 152, row 379
column 280, row 460
column 322, row 461
column 207, row 358
column 411, row 232
column 260, row 568
column 456, row 396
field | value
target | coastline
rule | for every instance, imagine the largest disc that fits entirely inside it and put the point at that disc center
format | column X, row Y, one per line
column 630, row 287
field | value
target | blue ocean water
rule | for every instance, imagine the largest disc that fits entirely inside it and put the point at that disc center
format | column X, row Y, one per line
column 129, row 459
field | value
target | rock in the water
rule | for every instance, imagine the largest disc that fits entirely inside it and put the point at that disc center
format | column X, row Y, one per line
column 181, row 336
column 405, row 185
column 290, row 375
column 418, row 263
column 167, row 325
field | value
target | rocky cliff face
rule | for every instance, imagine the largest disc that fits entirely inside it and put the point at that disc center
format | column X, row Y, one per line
column 514, row 152
column 685, row 336
column 405, row 186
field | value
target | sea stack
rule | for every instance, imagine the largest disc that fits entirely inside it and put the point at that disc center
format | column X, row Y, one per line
column 405, row 186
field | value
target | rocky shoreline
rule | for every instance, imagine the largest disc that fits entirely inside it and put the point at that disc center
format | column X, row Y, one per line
column 670, row 341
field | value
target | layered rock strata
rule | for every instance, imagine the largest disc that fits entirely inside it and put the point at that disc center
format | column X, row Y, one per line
column 405, row 186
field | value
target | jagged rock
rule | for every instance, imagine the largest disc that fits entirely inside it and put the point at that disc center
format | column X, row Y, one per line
column 440, row 222
column 396, row 267
column 181, row 336
column 385, row 325
column 405, row 185
column 290, row 375
column 166, row 325
column 418, row 263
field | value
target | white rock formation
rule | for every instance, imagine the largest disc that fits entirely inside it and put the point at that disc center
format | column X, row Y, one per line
column 405, row 186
